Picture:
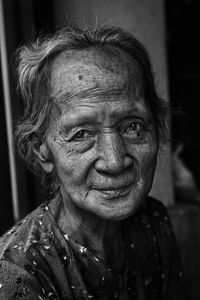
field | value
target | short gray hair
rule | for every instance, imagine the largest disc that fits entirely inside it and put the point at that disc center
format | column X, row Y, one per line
column 34, row 68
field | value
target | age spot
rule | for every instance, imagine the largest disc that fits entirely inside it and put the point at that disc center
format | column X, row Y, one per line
column 80, row 77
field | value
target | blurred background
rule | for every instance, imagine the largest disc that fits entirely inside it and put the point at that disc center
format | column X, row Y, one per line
column 170, row 30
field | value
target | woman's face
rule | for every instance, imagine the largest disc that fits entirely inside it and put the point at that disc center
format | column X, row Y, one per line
column 103, row 140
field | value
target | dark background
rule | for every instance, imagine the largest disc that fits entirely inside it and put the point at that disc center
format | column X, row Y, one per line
column 183, row 48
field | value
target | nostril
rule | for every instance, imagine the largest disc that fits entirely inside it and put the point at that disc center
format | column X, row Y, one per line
column 110, row 172
column 113, row 166
column 105, row 166
column 128, row 161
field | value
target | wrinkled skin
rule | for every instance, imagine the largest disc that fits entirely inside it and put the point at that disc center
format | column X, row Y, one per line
column 102, row 141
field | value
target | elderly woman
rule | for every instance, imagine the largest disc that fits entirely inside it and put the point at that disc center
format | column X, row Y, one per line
column 92, row 123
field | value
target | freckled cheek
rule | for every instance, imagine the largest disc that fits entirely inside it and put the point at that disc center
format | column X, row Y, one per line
column 73, row 165
column 145, row 156
column 148, row 162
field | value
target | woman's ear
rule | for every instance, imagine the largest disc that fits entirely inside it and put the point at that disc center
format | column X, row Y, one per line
column 45, row 158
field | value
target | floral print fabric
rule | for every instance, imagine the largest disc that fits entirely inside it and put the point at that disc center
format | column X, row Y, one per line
column 38, row 261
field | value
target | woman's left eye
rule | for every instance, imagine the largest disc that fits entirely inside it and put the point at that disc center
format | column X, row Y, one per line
column 82, row 134
column 134, row 128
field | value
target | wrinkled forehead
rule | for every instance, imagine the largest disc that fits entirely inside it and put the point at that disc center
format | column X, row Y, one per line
column 104, row 69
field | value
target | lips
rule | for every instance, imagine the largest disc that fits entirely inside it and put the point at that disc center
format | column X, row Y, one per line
column 114, row 192
column 112, row 188
column 113, row 185
column 108, row 183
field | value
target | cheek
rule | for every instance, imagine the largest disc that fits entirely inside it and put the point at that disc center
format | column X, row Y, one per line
column 71, row 165
column 145, row 156
column 148, row 159
column 65, row 160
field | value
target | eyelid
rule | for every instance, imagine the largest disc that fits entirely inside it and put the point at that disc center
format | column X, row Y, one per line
column 73, row 137
column 133, row 120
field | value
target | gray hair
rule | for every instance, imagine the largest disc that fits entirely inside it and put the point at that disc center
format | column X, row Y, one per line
column 34, row 68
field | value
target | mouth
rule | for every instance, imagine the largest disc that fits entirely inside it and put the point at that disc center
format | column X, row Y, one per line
column 114, row 192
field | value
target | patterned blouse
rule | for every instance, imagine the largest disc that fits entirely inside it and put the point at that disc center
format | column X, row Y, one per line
column 38, row 261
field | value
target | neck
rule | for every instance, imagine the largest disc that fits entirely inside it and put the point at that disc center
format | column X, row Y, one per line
column 103, row 238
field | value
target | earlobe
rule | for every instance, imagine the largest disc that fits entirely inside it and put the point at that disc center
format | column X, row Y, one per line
column 47, row 166
column 45, row 158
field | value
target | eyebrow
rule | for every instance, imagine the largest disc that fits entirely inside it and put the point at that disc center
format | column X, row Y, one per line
column 85, row 119
column 81, row 120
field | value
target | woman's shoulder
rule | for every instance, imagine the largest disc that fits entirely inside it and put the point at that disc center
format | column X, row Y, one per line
column 152, row 219
column 19, row 236
column 155, row 206
column 158, row 214
column 153, row 210
column 155, row 243
column 16, row 268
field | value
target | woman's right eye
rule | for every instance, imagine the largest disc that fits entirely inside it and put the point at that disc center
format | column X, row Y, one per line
column 81, row 135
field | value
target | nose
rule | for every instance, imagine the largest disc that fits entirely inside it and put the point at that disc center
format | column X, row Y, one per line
column 112, row 154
